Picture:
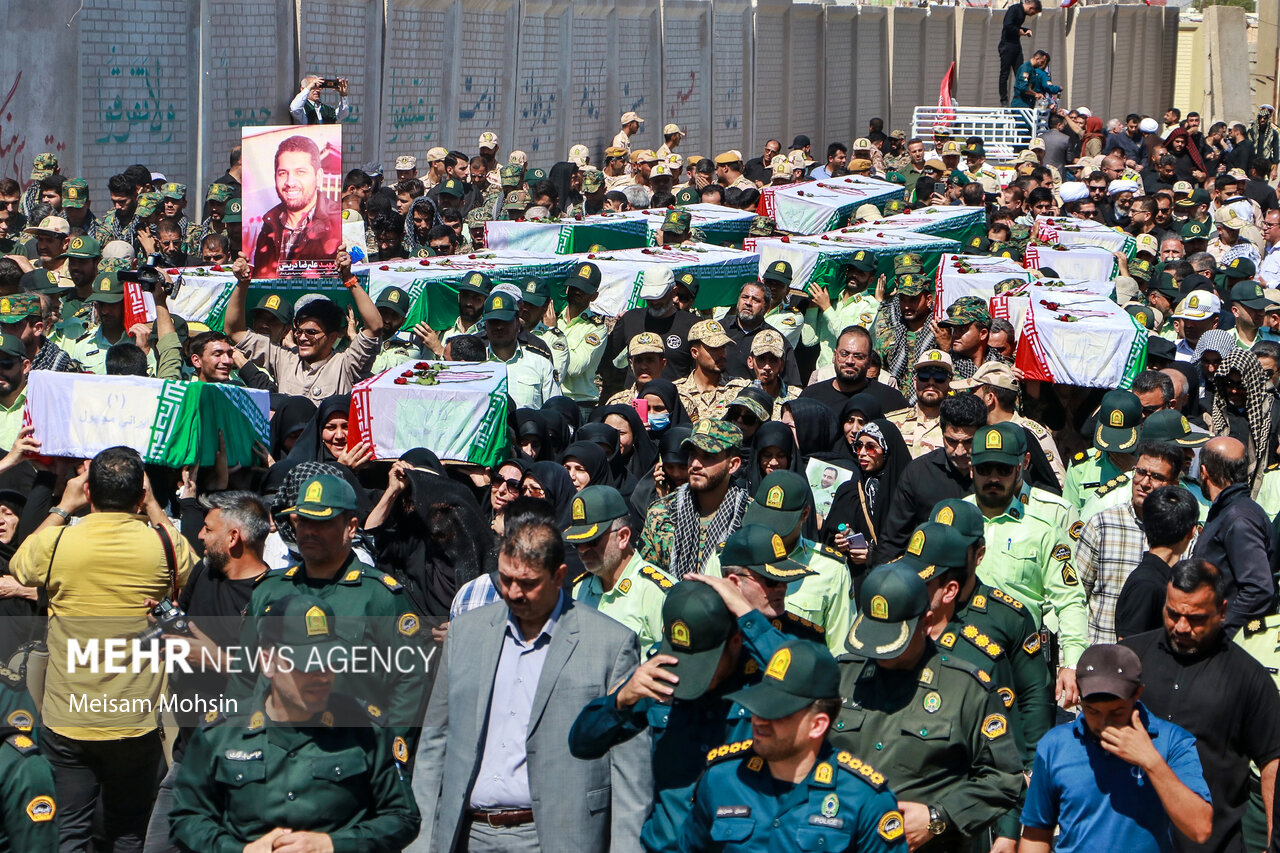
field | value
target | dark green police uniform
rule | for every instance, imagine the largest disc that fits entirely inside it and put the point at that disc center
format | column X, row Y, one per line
column 339, row 773
column 938, row 731
column 373, row 612
column 842, row 804
column 28, row 808
column 696, row 627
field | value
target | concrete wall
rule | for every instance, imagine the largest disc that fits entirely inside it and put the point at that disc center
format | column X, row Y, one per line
column 170, row 83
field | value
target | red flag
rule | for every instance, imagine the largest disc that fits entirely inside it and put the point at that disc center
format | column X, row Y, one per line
column 945, row 99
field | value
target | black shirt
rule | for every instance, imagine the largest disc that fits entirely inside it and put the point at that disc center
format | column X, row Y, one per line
column 673, row 330
column 737, row 352
column 833, row 398
column 1140, row 606
column 1227, row 700
column 755, row 170
column 1011, row 31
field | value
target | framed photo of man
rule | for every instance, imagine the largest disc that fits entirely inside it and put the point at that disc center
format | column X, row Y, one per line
column 824, row 478
column 292, row 221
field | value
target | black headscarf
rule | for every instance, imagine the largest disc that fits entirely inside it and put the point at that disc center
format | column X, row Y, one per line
column 558, row 487
column 666, row 391
column 643, row 453
column 863, row 502
column 290, row 418
column 563, row 419
column 864, row 404
column 591, row 457
column 816, row 428
column 559, row 176
column 421, row 457
column 772, row 434
column 531, row 423
column 671, row 449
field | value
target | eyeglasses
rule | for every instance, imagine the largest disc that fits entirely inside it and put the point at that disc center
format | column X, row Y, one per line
column 868, row 446
column 934, row 375
column 1148, row 411
column 505, row 482
column 1144, row 474
column 299, row 332
column 1000, row 469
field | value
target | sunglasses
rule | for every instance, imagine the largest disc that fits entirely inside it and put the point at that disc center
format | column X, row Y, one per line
column 1000, row 469
column 1148, row 411
column 505, row 482
column 934, row 375
column 308, row 333
column 747, row 418
column 868, row 446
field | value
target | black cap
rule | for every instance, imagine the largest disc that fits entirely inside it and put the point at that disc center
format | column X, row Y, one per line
column 801, row 141
column 1107, row 670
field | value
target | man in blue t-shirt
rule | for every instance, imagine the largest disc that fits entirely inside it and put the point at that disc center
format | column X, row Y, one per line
column 1118, row 776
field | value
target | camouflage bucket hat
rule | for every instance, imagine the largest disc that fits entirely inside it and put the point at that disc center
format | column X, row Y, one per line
column 762, row 226
column 592, row 180
column 677, row 220
column 714, row 436
column 966, row 310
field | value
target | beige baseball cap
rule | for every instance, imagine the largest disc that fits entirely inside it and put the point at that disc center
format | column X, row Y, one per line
column 668, row 129
column 405, row 162
column 645, row 342
column 767, row 340
column 435, row 155
column 579, row 155
column 518, row 158
column 709, row 333
column 862, row 144
column 995, row 373
column 488, row 139
column 932, row 358
column 629, row 117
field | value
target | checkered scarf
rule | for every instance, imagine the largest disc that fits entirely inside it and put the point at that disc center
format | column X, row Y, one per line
column 908, row 346
column 1257, row 409
column 692, row 547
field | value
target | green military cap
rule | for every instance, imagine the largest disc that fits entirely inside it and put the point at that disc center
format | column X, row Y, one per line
column 1196, row 230
column 959, row 178
column 1005, row 443
column 980, row 244
column 908, row 262
column 535, row 291
column 696, row 624
column 81, row 246
column 912, row 285
column 1142, row 314
column 535, row 175
column 1119, row 417
column 500, row 306
column 894, row 205
column 1009, row 285
column 43, row 166
column 322, row 497
column 966, row 310
column 1172, row 427
column 277, row 306
column 113, row 265
column 892, row 600
column 750, row 398
column 591, row 511
column 779, row 271
column 173, row 190
column 235, row 209
column 517, row 200
column 394, row 299
column 688, row 195
column 510, row 175
column 1200, row 196
column 895, row 177
column 759, row 548
column 677, row 220
column 697, row 235
column 1166, row 284
column 107, row 288
column 19, row 307
column 712, row 436
column 862, row 260
column 303, row 623
column 1249, row 294
column 584, row 276
column 219, row 192
column 1140, row 269
column 75, row 193
column 12, row 346
column 975, row 151
column 476, row 282
column 453, row 188
column 935, row 548
column 148, row 204
column 780, row 500
column 762, row 226
column 798, row 673
column 592, row 180
column 1238, row 269
column 40, row 281
column 961, row 515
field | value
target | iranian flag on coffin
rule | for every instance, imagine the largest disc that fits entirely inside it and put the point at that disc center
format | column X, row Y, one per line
column 954, row 222
column 1076, row 262
column 168, row 423
column 568, row 236
column 722, row 226
column 813, row 263
column 1012, row 305
column 816, row 206
column 719, row 270
column 1081, row 339
column 1069, row 231
column 887, row 244
column 456, row 409
column 972, row 275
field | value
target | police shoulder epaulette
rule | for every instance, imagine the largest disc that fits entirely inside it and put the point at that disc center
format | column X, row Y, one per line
column 1113, row 484
column 580, row 578
column 805, row 623
column 1007, row 599
column 23, row 743
column 861, row 769
column 1081, row 457
column 832, row 552
column 276, row 573
column 1274, row 466
column 979, row 674
column 212, row 718
column 656, row 577
column 729, row 750
column 375, row 714
column 1254, row 626
column 11, row 677
column 982, row 642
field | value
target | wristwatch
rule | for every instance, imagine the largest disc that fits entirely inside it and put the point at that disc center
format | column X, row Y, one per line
column 60, row 512
column 937, row 825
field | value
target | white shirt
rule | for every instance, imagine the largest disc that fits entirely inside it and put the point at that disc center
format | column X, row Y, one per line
column 1269, row 269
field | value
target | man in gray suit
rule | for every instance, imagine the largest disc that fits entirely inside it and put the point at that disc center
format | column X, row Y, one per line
column 494, row 771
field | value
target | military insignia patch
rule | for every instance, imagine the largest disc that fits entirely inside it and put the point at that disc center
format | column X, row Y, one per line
column 994, row 726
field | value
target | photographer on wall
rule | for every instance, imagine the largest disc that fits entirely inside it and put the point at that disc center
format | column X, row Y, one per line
column 307, row 108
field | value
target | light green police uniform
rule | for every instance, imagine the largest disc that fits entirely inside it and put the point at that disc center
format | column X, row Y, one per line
column 635, row 600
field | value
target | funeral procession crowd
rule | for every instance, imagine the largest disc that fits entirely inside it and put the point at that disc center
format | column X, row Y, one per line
column 650, row 499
